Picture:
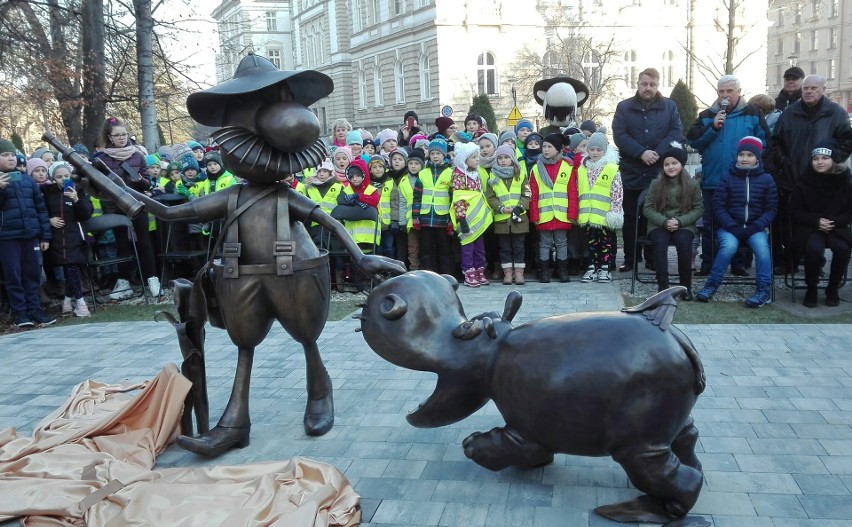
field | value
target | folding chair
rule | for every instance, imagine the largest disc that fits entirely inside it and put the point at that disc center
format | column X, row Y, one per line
column 100, row 224
column 175, row 241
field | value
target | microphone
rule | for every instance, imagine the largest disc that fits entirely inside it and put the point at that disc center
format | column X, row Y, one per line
column 723, row 105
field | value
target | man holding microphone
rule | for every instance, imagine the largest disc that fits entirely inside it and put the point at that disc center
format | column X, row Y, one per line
column 715, row 135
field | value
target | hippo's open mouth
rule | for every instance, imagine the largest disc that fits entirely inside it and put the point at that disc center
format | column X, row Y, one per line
column 256, row 154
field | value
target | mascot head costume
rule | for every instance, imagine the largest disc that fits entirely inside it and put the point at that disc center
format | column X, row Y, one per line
column 560, row 97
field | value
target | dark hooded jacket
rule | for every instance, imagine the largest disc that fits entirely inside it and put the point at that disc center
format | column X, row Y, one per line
column 69, row 244
column 23, row 214
column 822, row 196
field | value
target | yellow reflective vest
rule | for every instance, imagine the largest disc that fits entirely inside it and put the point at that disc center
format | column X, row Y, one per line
column 436, row 193
column 385, row 202
column 478, row 214
column 508, row 197
column 326, row 202
column 553, row 202
column 363, row 231
column 595, row 202
column 406, row 190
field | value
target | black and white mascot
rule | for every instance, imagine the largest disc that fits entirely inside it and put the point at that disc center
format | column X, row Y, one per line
column 560, row 97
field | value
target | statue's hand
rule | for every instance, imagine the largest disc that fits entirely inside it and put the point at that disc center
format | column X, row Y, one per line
column 376, row 267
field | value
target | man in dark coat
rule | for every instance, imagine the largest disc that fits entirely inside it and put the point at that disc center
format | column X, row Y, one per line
column 643, row 128
column 805, row 123
column 792, row 90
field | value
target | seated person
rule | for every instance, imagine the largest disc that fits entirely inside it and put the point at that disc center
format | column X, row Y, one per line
column 821, row 210
column 673, row 205
column 744, row 205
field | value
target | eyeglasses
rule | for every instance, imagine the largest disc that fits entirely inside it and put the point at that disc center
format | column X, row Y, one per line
column 118, row 136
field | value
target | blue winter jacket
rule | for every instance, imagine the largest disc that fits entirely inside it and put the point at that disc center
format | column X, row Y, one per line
column 746, row 196
column 636, row 128
column 23, row 213
column 718, row 148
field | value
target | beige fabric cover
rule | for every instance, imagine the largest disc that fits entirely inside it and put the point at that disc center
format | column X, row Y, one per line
column 106, row 437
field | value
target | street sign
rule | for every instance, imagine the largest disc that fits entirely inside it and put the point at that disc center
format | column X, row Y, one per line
column 515, row 116
column 446, row 110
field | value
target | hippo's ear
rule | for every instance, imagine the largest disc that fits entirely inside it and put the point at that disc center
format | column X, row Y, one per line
column 393, row 307
column 452, row 280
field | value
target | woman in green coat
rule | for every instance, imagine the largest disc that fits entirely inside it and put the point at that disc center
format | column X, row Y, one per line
column 672, row 206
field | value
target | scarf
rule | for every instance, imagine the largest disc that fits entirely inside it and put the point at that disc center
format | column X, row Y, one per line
column 503, row 172
column 542, row 171
column 488, row 162
column 472, row 173
column 121, row 154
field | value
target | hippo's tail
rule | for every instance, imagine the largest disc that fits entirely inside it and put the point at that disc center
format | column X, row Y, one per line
column 688, row 348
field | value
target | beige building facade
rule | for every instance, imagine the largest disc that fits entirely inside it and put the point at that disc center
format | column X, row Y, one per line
column 390, row 56
column 817, row 37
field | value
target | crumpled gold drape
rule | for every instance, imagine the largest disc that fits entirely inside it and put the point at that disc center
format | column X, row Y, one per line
column 105, row 437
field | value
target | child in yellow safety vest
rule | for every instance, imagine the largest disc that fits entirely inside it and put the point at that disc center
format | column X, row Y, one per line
column 408, row 184
column 431, row 210
column 471, row 215
column 601, row 213
column 508, row 194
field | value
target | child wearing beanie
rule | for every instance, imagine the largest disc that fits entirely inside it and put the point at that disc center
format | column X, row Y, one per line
column 392, row 206
column 601, row 213
column 821, row 211
column 341, row 158
column 553, row 204
column 386, row 141
column 355, row 142
column 357, row 198
column 25, row 225
column 672, row 206
column 431, row 210
column 409, row 183
column 471, row 215
column 508, row 194
column 322, row 188
column 744, row 205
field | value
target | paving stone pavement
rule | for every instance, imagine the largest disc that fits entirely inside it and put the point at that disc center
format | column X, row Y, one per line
column 775, row 420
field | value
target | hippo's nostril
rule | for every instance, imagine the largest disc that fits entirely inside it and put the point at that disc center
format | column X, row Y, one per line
column 287, row 126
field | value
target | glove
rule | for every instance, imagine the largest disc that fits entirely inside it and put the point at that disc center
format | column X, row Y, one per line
column 516, row 214
column 751, row 230
column 463, row 226
column 738, row 232
column 362, row 204
column 415, row 224
column 350, row 199
column 450, row 230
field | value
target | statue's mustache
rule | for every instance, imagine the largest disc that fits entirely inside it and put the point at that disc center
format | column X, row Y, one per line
column 253, row 151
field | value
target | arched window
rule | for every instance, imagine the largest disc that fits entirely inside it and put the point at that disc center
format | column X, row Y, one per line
column 486, row 74
column 550, row 64
column 631, row 70
column 362, row 88
column 357, row 21
column 425, row 78
column 399, row 81
column 309, row 46
column 377, row 85
column 592, row 69
column 667, row 75
column 318, row 41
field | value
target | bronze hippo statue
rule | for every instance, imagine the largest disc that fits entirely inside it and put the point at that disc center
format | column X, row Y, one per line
column 619, row 384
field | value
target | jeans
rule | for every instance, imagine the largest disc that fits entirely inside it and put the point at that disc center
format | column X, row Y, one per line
column 728, row 245
column 511, row 250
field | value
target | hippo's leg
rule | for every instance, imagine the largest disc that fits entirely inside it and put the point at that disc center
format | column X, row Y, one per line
column 684, row 445
column 504, row 447
column 657, row 471
column 234, row 425
column 319, row 411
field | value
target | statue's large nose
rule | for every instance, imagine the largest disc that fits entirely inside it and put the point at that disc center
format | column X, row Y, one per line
column 287, row 126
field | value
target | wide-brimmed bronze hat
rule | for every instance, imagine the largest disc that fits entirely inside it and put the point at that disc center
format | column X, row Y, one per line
column 541, row 87
column 256, row 73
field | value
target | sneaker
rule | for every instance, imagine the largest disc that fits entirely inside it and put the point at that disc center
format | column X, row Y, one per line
column 590, row 276
column 759, row 298
column 705, row 294
column 23, row 320
column 604, row 276
column 154, row 286
column 121, row 290
column 67, row 309
column 81, row 309
column 41, row 318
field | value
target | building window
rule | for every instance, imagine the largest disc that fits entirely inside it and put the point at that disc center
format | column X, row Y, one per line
column 274, row 56
column 399, row 81
column 318, row 44
column 486, row 74
column 832, row 68
column 425, row 78
column 780, row 46
column 362, row 88
column 797, row 43
column 631, row 70
column 815, row 40
column 377, row 85
column 832, row 37
column 592, row 69
column 667, row 75
column 780, row 18
column 834, row 9
column 271, row 21
column 398, row 6
column 375, row 11
column 550, row 64
column 357, row 21
column 798, row 18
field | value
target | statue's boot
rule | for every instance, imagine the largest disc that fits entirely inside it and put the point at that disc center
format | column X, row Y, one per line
column 319, row 412
column 216, row 442
column 319, row 415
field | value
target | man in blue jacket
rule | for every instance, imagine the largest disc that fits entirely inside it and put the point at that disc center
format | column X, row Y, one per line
column 644, row 126
column 24, row 231
column 715, row 135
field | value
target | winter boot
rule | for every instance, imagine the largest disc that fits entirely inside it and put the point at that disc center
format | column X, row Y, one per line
column 80, row 308
column 480, row 277
column 832, row 296
column 67, row 308
column 562, row 271
column 761, row 296
column 544, row 269
column 810, row 297
column 707, row 291
column 470, row 278
column 507, row 276
column 519, row 276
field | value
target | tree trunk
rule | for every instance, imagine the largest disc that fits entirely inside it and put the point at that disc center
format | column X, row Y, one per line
column 145, row 61
column 94, row 71
column 731, row 39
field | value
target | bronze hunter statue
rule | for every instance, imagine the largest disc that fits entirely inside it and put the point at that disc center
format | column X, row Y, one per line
column 619, row 384
column 269, row 270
